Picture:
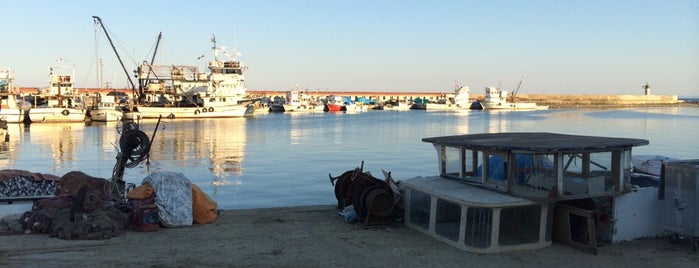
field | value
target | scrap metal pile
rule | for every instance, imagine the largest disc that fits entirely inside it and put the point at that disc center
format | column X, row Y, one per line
column 362, row 197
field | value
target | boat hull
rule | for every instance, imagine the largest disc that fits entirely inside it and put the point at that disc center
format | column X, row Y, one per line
column 276, row 108
column 56, row 115
column 13, row 115
column 196, row 112
column 100, row 115
column 330, row 107
column 303, row 108
column 512, row 106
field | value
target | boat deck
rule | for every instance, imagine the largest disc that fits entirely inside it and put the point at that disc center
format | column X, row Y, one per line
column 463, row 193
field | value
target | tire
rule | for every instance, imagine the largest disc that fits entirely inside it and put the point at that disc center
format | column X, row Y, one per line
column 196, row 111
column 65, row 112
column 211, row 109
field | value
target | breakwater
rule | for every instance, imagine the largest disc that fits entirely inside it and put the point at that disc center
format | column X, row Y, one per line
column 551, row 100
column 597, row 101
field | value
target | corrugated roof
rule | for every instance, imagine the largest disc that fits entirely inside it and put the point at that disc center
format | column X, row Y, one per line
column 542, row 142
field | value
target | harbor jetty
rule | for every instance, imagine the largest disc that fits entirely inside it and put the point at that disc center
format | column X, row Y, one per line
column 552, row 100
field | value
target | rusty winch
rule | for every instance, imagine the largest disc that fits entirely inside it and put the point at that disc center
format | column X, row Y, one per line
column 375, row 201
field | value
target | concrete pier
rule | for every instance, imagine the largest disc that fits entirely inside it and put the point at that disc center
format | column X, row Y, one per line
column 592, row 101
column 552, row 100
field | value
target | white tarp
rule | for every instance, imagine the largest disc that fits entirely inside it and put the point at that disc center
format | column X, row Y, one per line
column 173, row 196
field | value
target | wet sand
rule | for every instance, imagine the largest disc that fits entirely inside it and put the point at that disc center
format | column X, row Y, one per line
column 312, row 236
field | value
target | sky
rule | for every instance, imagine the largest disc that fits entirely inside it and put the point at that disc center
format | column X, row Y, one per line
column 553, row 46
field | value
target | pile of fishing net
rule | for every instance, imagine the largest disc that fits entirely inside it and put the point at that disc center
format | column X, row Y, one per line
column 84, row 209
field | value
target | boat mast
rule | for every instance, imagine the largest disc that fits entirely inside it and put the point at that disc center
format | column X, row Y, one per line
column 213, row 40
column 514, row 93
column 142, row 82
column 99, row 20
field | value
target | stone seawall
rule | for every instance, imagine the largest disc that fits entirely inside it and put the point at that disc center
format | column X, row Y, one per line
column 580, row 100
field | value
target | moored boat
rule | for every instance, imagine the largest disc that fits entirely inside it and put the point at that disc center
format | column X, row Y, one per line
column 107, row 110
column 396, row 105
column 58, row 103
column 334, row 103
column 10, row 110
column 180, row 91
column 459, row 100
column 496, row 99
column 297, row 101
column 184, row 92
column 419, row 104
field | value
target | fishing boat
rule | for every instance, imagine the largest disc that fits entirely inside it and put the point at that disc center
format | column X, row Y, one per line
column 459, row 100
column 179, row 91
column 396, row 105
column 334, row 103
column 497, row 99
column 277, row 105
column 10, row 110
column 297, row 101
column 419, row 104
column 352, row 106
column 59, row 102
column 107, row 110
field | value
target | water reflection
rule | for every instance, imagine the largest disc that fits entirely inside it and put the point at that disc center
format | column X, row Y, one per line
column 208, row 151
column 284, row 159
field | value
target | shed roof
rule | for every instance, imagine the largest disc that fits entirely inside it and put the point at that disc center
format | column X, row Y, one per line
column 538, row 142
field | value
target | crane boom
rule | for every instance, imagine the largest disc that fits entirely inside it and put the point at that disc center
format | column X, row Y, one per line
column 99, row 20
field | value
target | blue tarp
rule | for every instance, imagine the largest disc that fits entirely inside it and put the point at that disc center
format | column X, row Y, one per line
column 496, row 168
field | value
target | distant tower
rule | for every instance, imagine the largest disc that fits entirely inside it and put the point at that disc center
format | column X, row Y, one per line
column 646, row 88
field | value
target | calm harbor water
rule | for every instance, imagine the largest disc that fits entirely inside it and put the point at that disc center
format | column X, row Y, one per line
column 273, row 160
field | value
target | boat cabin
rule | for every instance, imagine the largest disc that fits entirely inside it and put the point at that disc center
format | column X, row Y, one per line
column 497, row 192
column 538, row 166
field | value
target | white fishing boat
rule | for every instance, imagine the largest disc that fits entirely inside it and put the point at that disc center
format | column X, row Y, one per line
column 178, row 91
column 10, row 111
column 496, row 99
column 107, row 110
column 397, row 105
column 297, row 101
column 184, row 92
column 58, row 103
column 457, row 101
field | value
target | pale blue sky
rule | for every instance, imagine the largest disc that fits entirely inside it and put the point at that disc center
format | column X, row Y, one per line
column 561, row 47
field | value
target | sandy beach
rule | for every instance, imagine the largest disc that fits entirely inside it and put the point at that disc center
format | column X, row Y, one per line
column 312, row 236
